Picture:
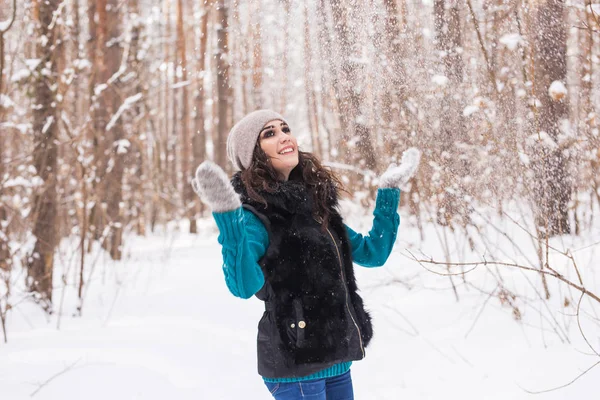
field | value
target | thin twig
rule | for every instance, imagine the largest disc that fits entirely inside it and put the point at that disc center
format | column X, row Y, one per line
column 45, row 383
column 581, row 329
column 488, row 64
column 439, row 263
column 475, row 264
column 481, row 311
column 562, row 386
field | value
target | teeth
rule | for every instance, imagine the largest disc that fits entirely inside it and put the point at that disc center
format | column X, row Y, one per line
column 286, row 151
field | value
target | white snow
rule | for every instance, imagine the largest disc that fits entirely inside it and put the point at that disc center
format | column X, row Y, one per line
column 543, row 138
column 524, row 158
column 125, row 106
column 4, row 25
column 122, row 146
column 100, row 88
column 181, row 84
column 511, row 40
column 21, row 74
column 557, row 90
column 82, row 64
column 32, row 63
column 593, row 9
column 20, row 181
column 48, row 124
column 22, row 128
column 162, row 325
column 440, row 80
column 5, row 101
column 470, row 110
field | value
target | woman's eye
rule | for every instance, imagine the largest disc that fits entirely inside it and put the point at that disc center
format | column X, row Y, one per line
column 268, row 134
column 285, row 129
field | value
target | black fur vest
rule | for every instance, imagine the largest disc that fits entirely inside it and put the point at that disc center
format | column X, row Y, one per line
column 314, row 317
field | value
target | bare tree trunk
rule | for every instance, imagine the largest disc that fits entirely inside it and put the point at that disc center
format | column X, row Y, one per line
column 223, row 90
column 45, row 128
column 4, row 251
column 199, row 137
column 396, row 95
column 96, row 48
column 354, row 122
column 173, row 143
column 311, row 102
column 328, row 73
column 586, row 79
column 452, row 127
column 553, row 185
column 115, row 166
column 186, row 143
column 285, row 59
column 257, row 66
column 139, row 179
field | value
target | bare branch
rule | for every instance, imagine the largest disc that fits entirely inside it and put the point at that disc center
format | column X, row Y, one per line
column 562, row 386
column 47, row 381
column 12, row 19
column 552, row 272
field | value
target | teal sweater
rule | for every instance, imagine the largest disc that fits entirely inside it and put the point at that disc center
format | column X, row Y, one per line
column 244, row 241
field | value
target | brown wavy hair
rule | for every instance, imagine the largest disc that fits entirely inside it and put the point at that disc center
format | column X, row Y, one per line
column 321, row 182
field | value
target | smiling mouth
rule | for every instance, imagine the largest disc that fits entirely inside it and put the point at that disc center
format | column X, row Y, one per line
column 287, row 150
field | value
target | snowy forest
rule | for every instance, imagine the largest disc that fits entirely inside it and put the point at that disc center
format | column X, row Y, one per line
column 108, row 106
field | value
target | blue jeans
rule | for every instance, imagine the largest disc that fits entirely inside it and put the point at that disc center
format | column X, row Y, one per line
column 336, row 388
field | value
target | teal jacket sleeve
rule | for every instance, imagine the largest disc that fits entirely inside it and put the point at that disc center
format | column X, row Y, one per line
column 374, row 249
column 244, row 241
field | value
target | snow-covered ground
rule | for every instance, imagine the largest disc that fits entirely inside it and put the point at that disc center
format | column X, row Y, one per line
column 162, row 325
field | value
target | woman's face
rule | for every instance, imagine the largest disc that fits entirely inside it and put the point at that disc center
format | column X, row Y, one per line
column 280, row 146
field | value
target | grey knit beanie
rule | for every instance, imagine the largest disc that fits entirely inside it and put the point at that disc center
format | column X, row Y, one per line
column 243, row 136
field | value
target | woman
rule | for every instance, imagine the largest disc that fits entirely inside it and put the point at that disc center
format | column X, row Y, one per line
column 285, row 242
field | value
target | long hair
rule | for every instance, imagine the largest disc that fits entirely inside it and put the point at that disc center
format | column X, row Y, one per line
column 321, row 183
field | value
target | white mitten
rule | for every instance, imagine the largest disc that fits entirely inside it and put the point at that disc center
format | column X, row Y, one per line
column 213, row 187
column 398, row 176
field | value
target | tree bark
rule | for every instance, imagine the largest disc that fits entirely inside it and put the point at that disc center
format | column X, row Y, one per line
column 199, row 137
column 452, row 126
column 354, row 123
column 553, row 185
column 45, row 128
column 115, row 155
column 223, row 89
column 5, row 261
column 396, row 95
column 257, row 57
column 285, row 59
column 186, row 143
column 311, row 102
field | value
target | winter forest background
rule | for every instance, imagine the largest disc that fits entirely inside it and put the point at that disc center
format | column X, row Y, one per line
column 107, row 107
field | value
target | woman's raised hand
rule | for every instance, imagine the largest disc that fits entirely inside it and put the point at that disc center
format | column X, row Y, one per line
column 212, row 185
column 398, row 176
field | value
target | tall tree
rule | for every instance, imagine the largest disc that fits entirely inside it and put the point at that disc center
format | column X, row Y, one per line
column 351, row 87
column 449, row 45
column 199, row 137
column 311, row 101
column 553, row 185
column 45, row 129
column 98, row 111
column 4, row 252
column 223, row 89
column 396, row 94
column 257, row 57
column 186, row 143
column 115, row 148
